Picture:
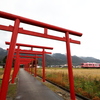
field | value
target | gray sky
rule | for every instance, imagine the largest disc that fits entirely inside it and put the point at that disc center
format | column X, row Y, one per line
column 78, row 15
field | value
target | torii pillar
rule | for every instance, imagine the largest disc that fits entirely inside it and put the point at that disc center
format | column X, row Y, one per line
column 8, row 66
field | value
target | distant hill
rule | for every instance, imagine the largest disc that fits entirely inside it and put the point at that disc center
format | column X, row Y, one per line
column 50, row 60
column 58, row 59
column 90, row 59
column 77, row 60
column 3, row 53
column 59, row 56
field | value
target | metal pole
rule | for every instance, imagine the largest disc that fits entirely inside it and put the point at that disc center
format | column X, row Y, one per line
column 8, row 66
column 70, row 72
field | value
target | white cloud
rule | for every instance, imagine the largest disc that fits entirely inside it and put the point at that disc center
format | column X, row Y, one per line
column 77, row 15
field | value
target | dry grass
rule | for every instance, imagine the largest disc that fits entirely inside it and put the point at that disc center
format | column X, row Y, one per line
column 12, row 87
column 86, row 80
column 87, row 73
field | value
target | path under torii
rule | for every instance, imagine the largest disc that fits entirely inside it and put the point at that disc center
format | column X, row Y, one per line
column 18, row 51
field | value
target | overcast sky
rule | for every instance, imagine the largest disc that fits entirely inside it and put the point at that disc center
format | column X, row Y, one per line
column 78, row 15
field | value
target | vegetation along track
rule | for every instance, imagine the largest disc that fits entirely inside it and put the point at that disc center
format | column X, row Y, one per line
column 79, row 97
column 86, row 81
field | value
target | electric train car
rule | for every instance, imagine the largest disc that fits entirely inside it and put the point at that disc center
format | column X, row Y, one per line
column 90, row 65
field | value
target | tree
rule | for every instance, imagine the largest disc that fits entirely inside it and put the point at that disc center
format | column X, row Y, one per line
column 4, row 59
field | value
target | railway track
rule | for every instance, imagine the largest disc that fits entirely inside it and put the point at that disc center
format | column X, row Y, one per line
column 79, row 97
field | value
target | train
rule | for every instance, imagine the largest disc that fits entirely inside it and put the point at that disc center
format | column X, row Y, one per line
column 90, row 65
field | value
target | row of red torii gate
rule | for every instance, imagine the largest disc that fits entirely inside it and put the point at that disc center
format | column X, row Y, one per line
column 26, row 59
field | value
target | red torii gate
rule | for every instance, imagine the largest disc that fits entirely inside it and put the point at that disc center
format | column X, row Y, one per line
column 23, row 61
column 15, row 30
column 27, row 56
column 19, row 51
column 43, row 58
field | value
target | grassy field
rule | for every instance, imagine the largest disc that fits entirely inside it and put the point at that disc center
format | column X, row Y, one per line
column 86, row 81
column 12, row 87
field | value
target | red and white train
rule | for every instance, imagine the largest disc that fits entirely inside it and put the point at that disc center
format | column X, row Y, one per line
column 90, row 65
